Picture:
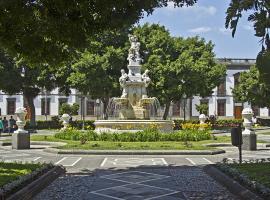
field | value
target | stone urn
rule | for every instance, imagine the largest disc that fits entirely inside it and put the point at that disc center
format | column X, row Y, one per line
column 21, row 112
column 65, row 118
column 202, row 118
column 247, row 114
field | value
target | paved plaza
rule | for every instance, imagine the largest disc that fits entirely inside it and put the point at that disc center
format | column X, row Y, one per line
column 122, row 177
column 160, row 183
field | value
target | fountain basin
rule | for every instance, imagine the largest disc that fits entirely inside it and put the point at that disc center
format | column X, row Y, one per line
column 146, row 101
column 120, row 101
column 132, row 125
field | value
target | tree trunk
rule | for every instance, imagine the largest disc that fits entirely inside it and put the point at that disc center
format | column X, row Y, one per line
column 167, row 108
column 105, row 104
column 29, row 100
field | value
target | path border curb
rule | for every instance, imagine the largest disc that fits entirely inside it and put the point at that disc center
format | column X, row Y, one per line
column 233, row 186
column 133, row 152
column 33, row 188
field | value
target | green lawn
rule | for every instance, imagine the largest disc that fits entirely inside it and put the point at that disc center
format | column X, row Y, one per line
column 12, row 171
column 265, row 133
column 256, row 171
column 99, row 145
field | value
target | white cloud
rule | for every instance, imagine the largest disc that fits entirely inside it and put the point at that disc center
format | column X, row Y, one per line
column 224, row 31
column 200, row 10
column 200, row 30
column 248, row 27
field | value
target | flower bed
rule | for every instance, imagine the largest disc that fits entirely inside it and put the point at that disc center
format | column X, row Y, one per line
column 254, row 175
column 14, row 176
column 216, row 125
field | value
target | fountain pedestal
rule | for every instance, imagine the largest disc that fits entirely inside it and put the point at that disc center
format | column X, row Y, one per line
column 132, row 125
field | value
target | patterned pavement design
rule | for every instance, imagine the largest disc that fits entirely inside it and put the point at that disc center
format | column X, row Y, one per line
column 159, row 183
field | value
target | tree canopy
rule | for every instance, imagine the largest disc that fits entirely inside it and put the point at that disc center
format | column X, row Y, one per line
column 260, row 17
column 251, row 89
column 97, row 71
column 45, row 31
column 17, row 77
column 178, row 66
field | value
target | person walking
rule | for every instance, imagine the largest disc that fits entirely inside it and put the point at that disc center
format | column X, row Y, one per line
column 1, row 126
column 5, row 125
column 11, row 124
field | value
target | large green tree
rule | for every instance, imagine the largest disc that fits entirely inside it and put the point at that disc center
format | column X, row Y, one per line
column 97, row 71
column 178, row 66
column 259, row 15
column 45, row 31
column 16, row 77
column 251, row 89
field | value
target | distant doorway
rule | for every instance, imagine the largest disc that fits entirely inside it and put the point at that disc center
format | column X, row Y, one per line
column 238, row 112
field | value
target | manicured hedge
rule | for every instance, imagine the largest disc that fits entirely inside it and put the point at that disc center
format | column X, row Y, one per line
column 89, row 124
column 263, row 121
column 56, row 124
column 141, row 136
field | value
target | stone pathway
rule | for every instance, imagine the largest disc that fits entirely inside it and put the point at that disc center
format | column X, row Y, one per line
column 159, row 183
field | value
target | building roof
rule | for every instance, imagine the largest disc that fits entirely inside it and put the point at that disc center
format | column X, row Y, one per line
column 237, row 61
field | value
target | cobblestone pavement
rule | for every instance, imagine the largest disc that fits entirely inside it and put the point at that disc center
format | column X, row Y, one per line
column 159, row 183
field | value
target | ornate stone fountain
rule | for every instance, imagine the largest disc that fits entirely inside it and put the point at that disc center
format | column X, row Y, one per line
column 134, row 103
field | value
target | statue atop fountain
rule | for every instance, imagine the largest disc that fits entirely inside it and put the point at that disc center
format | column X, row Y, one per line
column 134, row 50
column 134, row 100
column 134, row 104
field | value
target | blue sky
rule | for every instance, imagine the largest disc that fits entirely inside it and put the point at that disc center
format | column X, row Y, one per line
column 207, row 19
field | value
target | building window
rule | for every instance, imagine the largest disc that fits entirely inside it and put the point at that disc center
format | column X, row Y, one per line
column 45, row 106
column 221, row 90
column 176, row 109
column 238, row 108
column 221, row 107
column 61, row 101
column 236, row 79
column 11, row 106
column 90, row 108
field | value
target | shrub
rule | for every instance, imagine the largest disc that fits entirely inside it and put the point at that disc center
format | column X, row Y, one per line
column 178, row 123
column 69, row 109
column 190, row 126
column 202, row 108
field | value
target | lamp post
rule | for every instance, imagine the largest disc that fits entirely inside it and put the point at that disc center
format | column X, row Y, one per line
column 185, row 98
column 98, row 108
column 45, row 106
column 82, row 110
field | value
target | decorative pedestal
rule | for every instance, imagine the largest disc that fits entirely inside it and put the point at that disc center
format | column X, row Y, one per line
column 248, row 135
column 249, row 142
column 20, row 140
column 21, row 137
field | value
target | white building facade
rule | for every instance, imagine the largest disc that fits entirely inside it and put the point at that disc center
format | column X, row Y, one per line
column 221, row 103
